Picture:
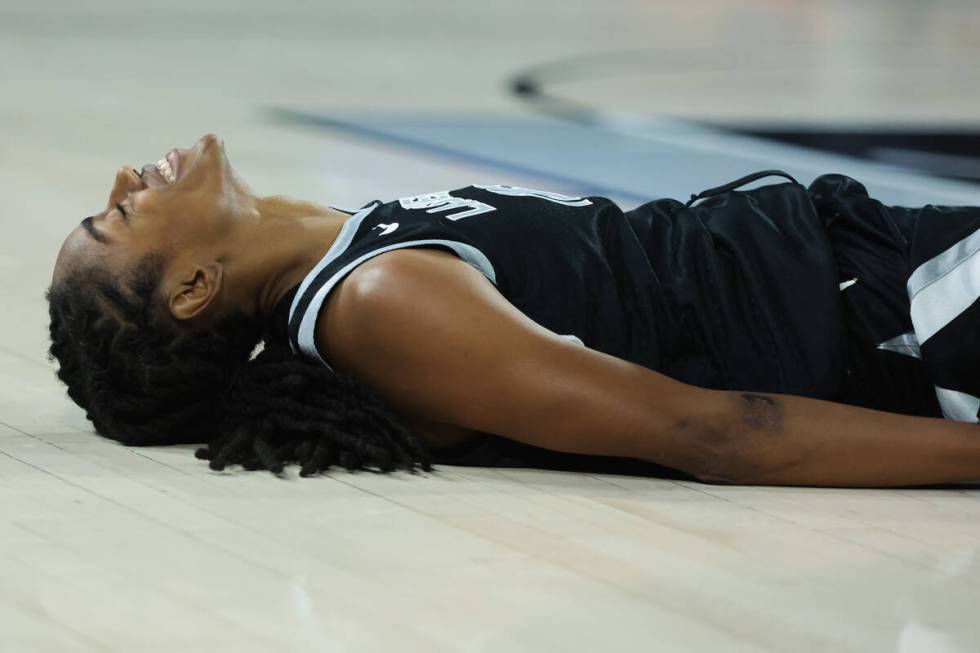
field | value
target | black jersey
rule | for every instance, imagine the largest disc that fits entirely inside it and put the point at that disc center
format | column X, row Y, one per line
column 721, row 295
column 571, row 264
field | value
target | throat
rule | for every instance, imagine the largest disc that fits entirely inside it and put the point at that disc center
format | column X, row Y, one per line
column 281, row 252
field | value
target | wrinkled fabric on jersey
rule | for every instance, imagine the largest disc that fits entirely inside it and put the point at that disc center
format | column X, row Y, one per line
column 723, row 294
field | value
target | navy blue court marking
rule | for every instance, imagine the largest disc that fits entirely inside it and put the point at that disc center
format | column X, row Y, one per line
column 583, row 186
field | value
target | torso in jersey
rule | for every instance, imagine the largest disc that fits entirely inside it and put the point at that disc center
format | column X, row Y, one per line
column 722, row 295
column 571, row 264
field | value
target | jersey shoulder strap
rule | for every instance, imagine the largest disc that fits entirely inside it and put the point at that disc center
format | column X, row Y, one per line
column 374, row 230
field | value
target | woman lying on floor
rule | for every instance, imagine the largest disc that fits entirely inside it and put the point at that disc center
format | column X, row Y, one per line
column 769, row 336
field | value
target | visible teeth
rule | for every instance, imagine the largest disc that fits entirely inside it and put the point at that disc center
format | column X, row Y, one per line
column 164, row 167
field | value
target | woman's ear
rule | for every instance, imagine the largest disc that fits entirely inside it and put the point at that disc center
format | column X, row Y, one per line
column 194, row 292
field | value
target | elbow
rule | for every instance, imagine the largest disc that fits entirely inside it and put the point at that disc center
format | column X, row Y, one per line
column 728, row 450
column 725, row 473
column 746, row 444
column 721, row 460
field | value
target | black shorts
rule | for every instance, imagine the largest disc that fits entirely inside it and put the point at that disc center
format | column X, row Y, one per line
column 870, row 241
column 807, row 292
column 912, row 317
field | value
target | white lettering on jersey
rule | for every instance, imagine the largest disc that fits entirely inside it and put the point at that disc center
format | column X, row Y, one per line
column 443, row 201
column 385, row 228
column 517, row 191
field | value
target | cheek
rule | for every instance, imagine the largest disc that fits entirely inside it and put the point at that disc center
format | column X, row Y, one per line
column 194, row 214
column 188, row 231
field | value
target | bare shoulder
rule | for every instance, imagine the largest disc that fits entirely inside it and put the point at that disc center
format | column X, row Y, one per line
column 437, row 341
column 382, row 305
column 414, row 317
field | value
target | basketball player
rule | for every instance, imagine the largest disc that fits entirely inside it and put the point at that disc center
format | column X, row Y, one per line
column 782, row 335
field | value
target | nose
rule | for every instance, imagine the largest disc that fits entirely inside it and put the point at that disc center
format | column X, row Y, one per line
column 209, row 139
column 126, row 182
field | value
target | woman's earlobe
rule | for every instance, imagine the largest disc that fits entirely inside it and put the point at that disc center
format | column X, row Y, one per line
column 193, row 294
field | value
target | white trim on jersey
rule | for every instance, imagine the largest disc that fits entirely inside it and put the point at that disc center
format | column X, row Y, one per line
column 906, row 344
column 956, row 405
column 344, row 209
column 520, row 191
column 341, row 243
column 306, row 337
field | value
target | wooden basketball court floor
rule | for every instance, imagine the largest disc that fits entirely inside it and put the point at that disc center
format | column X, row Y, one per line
column 106, row 548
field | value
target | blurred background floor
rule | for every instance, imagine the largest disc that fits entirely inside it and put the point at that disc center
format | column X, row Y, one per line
column 104, row 548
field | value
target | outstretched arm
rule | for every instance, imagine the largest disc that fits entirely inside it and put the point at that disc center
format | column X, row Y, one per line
column 800, row 441
column 436, row 340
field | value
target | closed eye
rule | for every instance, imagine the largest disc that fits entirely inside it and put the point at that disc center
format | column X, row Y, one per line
column 122, row 210
column 87, row 223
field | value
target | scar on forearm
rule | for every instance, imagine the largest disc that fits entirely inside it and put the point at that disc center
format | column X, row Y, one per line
column 761, row 412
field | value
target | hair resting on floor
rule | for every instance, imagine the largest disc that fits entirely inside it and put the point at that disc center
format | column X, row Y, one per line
column 143, row 378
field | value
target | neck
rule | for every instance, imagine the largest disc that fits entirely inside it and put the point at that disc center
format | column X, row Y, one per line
column 279, row 247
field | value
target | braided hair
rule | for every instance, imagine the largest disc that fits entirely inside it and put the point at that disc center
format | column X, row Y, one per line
column 144, row 378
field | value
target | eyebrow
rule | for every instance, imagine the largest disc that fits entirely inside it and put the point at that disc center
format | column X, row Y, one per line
column 93, row 232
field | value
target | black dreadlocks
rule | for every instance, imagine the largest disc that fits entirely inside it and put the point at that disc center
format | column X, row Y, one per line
column 143, row 378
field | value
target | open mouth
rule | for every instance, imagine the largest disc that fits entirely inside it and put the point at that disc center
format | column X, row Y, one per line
column 169, row 166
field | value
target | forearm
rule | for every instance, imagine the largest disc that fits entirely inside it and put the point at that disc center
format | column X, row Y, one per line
column 787, row 440
column 614, row 408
